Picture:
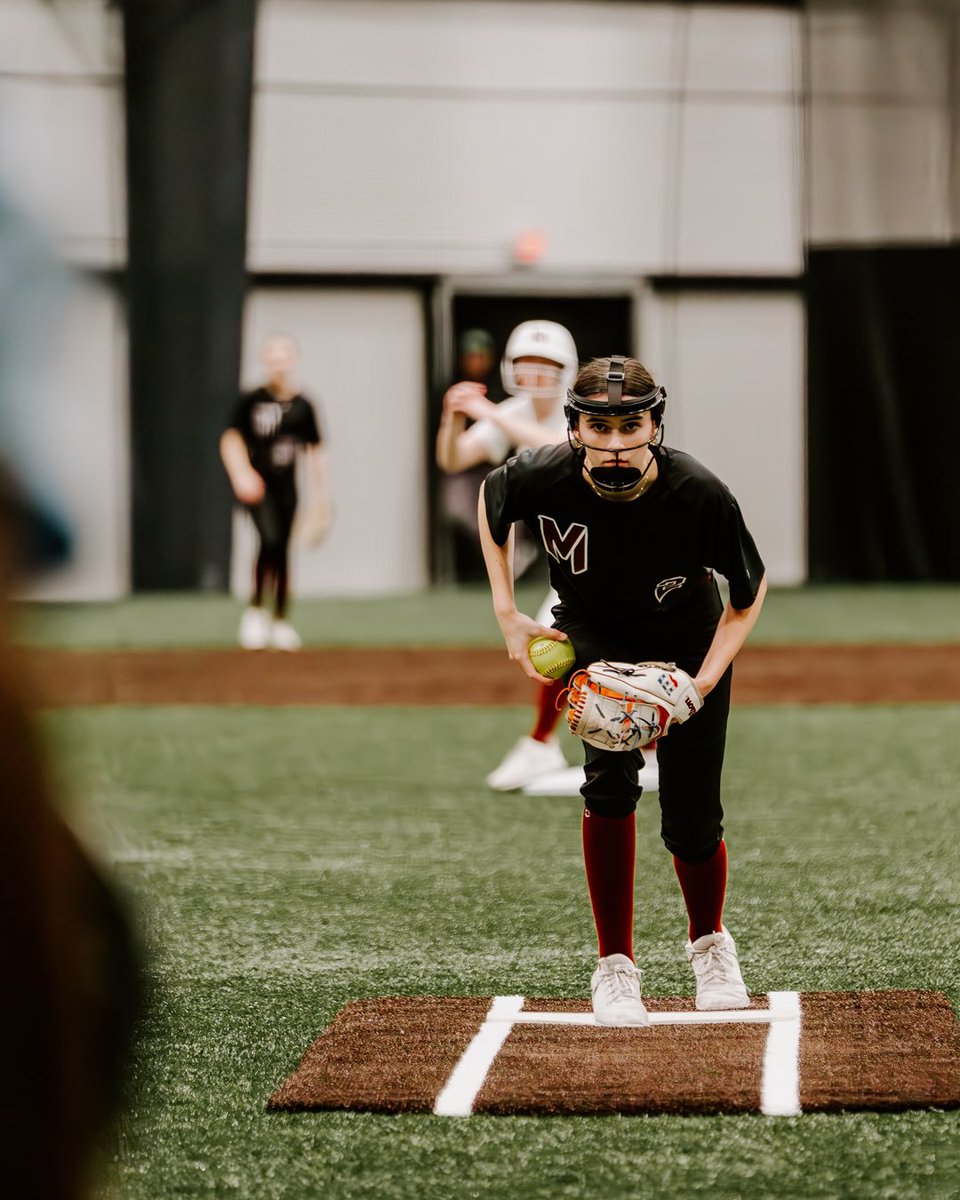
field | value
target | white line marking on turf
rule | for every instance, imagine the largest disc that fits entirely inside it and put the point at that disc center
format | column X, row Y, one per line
column 747, row 1016
column 780, row 1084
column 459, row 1092
column 780, row 1087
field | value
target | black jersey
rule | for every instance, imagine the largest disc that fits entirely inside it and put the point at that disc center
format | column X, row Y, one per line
column 649, row 558
column 272, row 430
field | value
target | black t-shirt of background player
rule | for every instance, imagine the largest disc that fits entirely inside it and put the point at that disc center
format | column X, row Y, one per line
column 648, row 559
column 272, row 430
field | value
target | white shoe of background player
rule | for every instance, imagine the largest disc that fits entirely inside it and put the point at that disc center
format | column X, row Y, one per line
column 526, row 761
column 254, row 631
column 717, row 968
column 283, row 636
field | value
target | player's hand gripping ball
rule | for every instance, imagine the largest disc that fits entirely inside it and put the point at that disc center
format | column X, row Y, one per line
column 550, row 657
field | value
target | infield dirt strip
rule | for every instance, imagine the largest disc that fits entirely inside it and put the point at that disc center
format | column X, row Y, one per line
column 859, row 674
column 789, row 1053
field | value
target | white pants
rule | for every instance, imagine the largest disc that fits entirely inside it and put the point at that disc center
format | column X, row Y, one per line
column 544, row 614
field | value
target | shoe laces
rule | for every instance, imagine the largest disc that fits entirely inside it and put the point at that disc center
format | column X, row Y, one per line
column 620, row 982
column 715, row 964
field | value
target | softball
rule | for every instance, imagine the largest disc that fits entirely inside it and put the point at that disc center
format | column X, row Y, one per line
column 551, row 658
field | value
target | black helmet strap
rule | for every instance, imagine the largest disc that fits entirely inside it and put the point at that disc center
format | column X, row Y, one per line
column 615, row 379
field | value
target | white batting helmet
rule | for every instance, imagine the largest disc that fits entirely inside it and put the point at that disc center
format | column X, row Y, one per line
column 539, row 339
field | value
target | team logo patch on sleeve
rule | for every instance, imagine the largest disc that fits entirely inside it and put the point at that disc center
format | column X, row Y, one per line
column 666, row 586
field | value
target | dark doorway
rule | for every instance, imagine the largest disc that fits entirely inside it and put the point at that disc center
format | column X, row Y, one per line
column 600, row 325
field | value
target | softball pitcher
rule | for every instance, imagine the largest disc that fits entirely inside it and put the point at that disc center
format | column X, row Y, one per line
column 634, row 530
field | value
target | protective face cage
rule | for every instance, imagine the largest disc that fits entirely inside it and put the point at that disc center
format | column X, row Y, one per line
column 549, row 379
column 616, row 482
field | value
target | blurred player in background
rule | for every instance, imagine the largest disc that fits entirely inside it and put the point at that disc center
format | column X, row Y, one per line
column 259, row 450
column 635, row 530
column 538, row 366
column 477, row 362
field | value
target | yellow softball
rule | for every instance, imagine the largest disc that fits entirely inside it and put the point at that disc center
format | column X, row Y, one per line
column 550, row 657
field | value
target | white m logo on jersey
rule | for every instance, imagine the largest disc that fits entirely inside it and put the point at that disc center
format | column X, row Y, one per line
column 571, row 545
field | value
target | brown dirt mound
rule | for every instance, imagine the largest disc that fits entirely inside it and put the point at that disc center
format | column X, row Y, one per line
column 447, row 676
column 858, row 1050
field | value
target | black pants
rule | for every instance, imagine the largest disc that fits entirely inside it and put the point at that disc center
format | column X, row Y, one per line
column 273, row 519
column 690, row 759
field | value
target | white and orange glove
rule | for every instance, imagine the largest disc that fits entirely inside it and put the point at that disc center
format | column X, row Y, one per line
column 625, row 706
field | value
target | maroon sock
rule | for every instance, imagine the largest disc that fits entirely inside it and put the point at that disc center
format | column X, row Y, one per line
column 609, row 849
column 548, row 714
column 704, row 886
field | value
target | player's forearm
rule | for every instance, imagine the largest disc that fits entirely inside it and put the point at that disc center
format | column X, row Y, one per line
column 452, row 425
column 731, row 633
column 499, row 563
column 317, row 474
column 528, row 434
column 233, row 454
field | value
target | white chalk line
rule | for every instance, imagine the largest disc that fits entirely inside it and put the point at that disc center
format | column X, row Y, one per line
column 733, row 1016
column 459, row 1092
column 780, row 1083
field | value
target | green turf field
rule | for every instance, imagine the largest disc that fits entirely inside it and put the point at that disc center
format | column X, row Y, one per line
column 282, row 862
column 463, row 617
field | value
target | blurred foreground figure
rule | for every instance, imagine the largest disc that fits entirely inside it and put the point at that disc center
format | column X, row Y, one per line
column 69, row 981
column 69, row 984
column 259, row 451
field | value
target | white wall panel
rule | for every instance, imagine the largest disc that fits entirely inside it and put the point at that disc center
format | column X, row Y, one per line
column 362, row 360
column 733, row 369
column 741, row 50
column 880, row 173
column 61, row 123
column 61, row 158
column 882, row 121
column 59, row 37
column 414, row 136
column 428, row 45
column 75, row 435
column 420, row 184
column 739, row 202
column 879, row 53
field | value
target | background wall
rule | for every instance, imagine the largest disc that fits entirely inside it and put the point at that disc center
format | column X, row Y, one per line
column 883, row 297
column 425, row 136
column 420, row 138
column 734, row 363
column 363, row 364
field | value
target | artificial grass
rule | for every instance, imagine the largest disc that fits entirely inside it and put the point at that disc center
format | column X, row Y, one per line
column 463, row 617
column 282, row 862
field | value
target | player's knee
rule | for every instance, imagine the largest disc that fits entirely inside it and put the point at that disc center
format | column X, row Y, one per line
column 610, row 806
column 692, row 845
column 610, row 788
column 273, row 552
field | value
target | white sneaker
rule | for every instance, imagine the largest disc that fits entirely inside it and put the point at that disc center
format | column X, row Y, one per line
column 615, row 987
column 526, row 761
column 254, row 631
column 283, row 636
column 717, row 968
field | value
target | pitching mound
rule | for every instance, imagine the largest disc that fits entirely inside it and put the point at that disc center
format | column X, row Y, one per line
column 789, row 1053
